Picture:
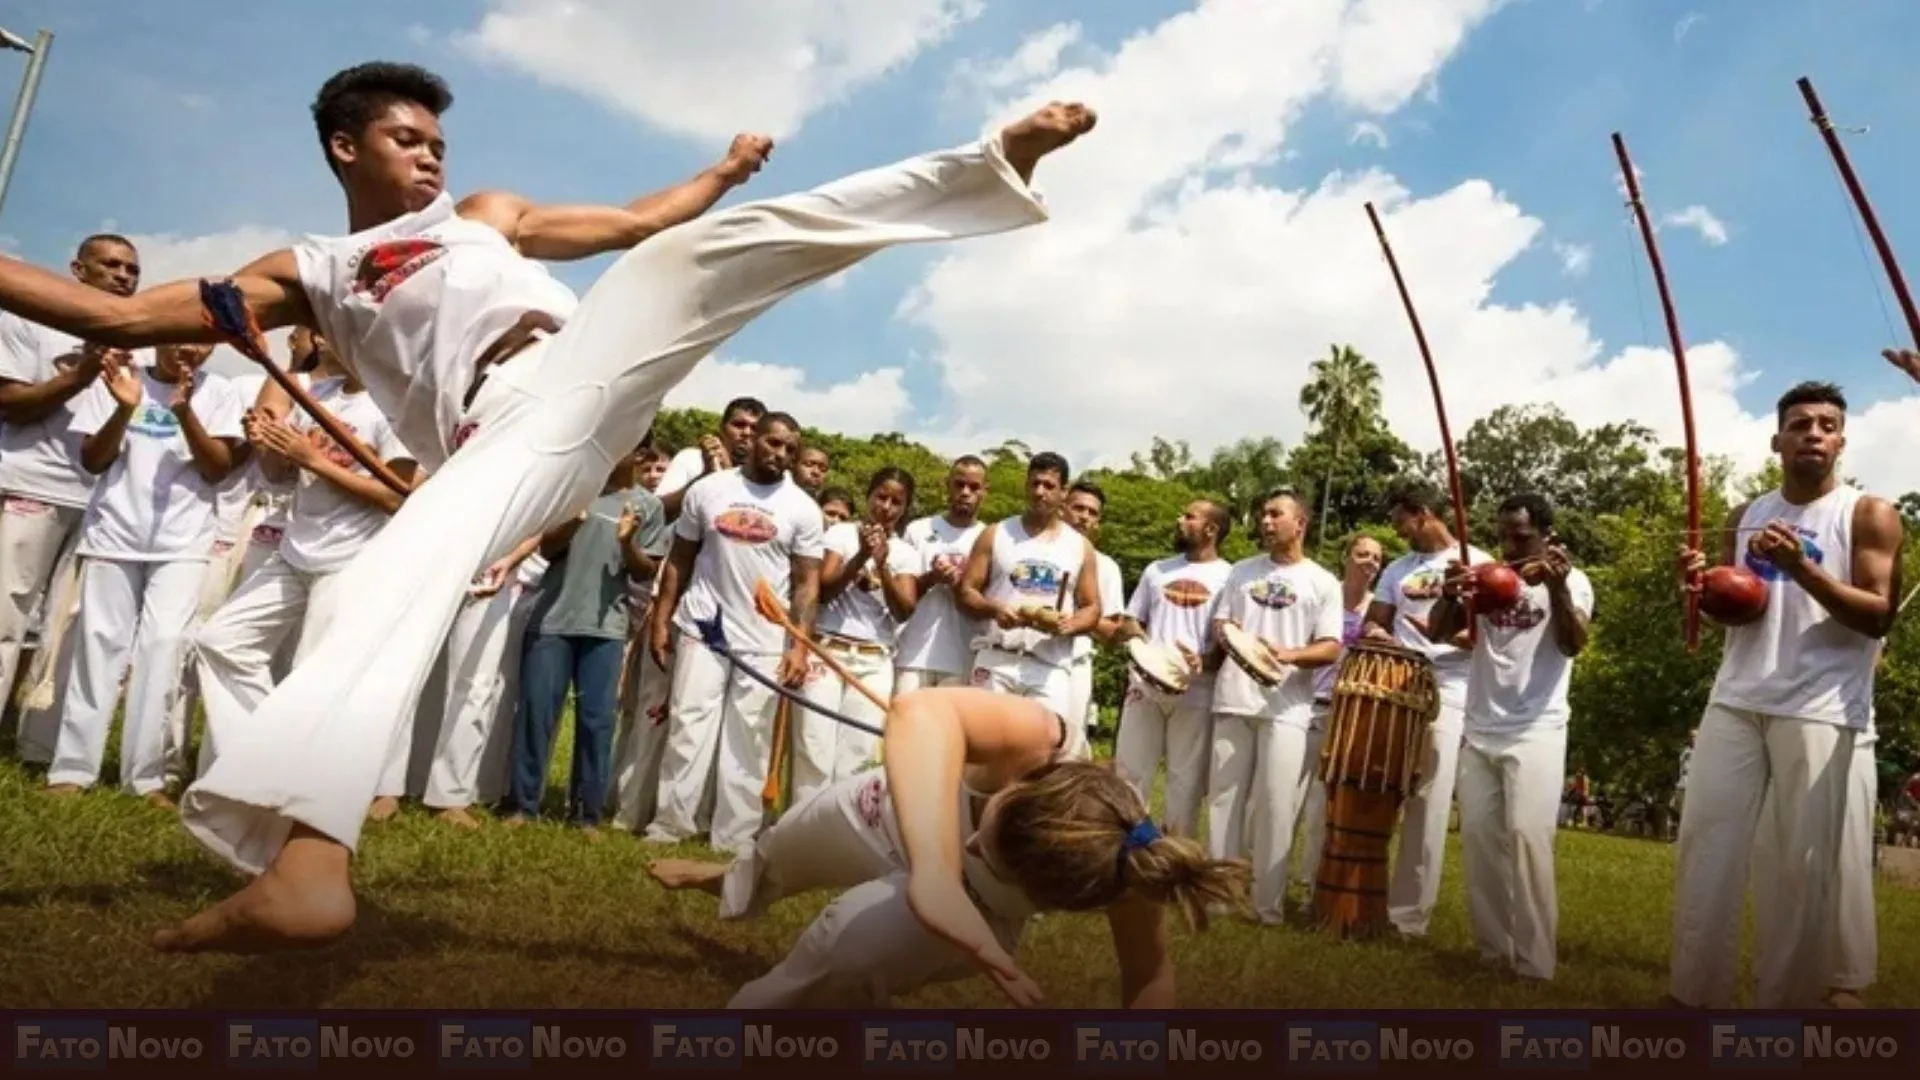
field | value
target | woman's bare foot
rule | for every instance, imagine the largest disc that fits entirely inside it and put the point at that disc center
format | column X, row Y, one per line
column 61, row 791
column 160, row 800
column 1026, row 141
column 383, row 808
column 303, row 901
column 688, row 874
column 458, row 817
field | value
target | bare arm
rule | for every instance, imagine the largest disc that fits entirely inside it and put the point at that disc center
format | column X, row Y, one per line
column 364, row 489
column 678, row 568
column 164, row 315
column 99, row 450
column 901, row 592
column 1568, row 625
column 1086, row 598
column 838, row 571
column 1446, row 620
column 1380, row 615
column 969, row 595
column 1139, row 930
column 30, row 403
column 555, row 541
column 1318, row 653
column 213, row 458
column 806, row 592
column 1867, row 605
column 640, row 565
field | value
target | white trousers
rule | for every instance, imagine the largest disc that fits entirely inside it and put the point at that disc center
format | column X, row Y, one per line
column 546, row 428
column 475, row 746
column 1080, row 706
column 35, row 539
column 1154, row 726
column 1313, row 803
column 642, row 739
column 1509, row 815
column 1023, row 676
column 825, row 751
column 1737, row 755
column 232, row 564
column 1253, row 799
column 127, row 609
column 1422, row 851
column 1856, row 932
column 907, row 680
column 719, row 729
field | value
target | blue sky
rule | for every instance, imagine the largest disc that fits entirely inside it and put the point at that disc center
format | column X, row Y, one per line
column 189, row 120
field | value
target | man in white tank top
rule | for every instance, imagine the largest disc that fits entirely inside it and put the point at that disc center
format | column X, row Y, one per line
column 1086, row 508
column 1017, row 584
column 1795, row 690
column 424, row 295
column 936, row 642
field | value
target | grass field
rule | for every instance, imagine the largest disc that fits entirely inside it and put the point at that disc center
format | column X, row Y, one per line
column 543, row 918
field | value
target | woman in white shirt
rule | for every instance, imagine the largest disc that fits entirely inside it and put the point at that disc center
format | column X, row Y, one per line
column 866, row 591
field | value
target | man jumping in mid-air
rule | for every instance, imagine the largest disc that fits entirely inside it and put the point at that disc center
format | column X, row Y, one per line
column 426, row 302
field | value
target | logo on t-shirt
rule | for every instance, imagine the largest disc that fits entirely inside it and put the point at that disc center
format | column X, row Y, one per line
column 947, row 563
column 747, row 524
column 155, row 422
column 1422, row 585
column 873, row 800
column 1187, row 593
column 1524, row 615
column 1769, row 572
column 385, row 267
column 332, row 451
column 1035, row 577
column 1272, row 592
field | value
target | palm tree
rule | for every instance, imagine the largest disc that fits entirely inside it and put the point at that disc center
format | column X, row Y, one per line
column 1342, row 399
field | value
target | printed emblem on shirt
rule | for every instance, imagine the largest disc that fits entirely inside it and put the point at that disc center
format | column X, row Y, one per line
column 747, row 524
column 948, row 563
column 1524, row 615
column 873, row 800
column 1422, row 585
column 385, row 267
column 1187, row 593
column 155, row 422
column 1769, row 572
column 332, row 451
column 1035, row 577
column 1272, row 593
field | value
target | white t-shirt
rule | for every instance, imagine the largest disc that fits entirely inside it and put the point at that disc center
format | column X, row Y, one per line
column 746, row 532
column 41, row 460
column 1174, row 602
column 938, row 637
column 682, row 469
column 1411, row 586
column 1029, row 569
column 152, row 505
column 1113, row 601
column 326, row 527
column 1519, row 675
column 244, row 484
column 1291, row 605
column 861, row 611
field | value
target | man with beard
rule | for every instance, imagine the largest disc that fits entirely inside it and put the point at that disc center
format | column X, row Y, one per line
column 1086, row 509
column 1173, row 604
column 1409, row 587
column 1794, row 690
column 44, row 490
column 936, row 642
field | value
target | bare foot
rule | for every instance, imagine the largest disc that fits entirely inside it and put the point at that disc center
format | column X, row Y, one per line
column 458, row 818
column 383, row 808
column 1026, row 141
column 1845, row 999
column 159, row 799
column 515, row 821
column 303, row 901
column 62, row 791
column 689, row 874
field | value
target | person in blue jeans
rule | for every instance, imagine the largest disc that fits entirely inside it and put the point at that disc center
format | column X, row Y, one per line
column 576, row 639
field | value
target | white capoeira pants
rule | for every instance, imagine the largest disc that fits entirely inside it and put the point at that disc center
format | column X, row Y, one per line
column 1025, row 676
column 1422, row 851
column 907, row 680
column 35, row 538
column 233, row 653
column 1509, row 814
column 127, row 609
column 1080, row 707
column 547, row 426
column 719, row 730
column 1856, row 931
column 1155, row 726
column 642, row 739
column 1259, row 769
column 232, row 563
column 1313, row 802
column 1737, row 755
column 474, row 749
column 867, row 945
column 825, row 751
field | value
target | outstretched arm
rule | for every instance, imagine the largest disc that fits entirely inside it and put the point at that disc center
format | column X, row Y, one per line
column 563, row 233
column 167, row 314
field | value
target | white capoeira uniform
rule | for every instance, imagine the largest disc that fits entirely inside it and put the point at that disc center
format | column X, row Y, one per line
column 1411, row 585
column 1794, row 692
column 1513, row 761
column 1313, row 794
column 1025, row 568
column 1259, row 745
column 935, row 645
column 295, row 592
column 1113, row 601
column 473, row 749
column 1174, row 603
column 859, row 630
column 409, row 305
column 867, row 945
column 642, row 738
column 144, row 546
column 721, row 718
column 44, row 492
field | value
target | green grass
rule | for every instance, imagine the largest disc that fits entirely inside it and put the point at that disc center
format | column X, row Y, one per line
column 542, row 918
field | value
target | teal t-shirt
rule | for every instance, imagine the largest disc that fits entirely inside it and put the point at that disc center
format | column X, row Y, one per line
column 584, row 593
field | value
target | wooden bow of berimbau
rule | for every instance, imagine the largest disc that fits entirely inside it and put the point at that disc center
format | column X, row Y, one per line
column 1680, row 367
column 1439, row 407
column 225, row 311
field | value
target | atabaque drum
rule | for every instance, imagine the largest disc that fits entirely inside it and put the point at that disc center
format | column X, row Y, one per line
column 1385, row 698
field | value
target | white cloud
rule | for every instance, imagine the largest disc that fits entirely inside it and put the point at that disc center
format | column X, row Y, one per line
column 1701, row 220
column 1171, row 294
column 168, row 257
column 419, row 34
column 1574, row 258
column 708, row 70
column 1687, row 22
column 1037, row 57
column 870, row 403
column 1368, row 131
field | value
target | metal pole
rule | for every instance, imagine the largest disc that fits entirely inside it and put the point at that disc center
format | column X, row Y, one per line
column 22, row 108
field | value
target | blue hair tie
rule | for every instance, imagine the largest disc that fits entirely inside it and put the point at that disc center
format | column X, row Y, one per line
column 1138, row 837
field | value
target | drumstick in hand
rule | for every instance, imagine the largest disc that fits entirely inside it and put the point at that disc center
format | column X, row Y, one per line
column 772, row 610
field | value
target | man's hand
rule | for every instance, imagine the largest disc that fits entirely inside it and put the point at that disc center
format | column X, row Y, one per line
column 493, row 578
column 949, row 570
column 182, row 395
column 744, row 158
column 1375, row 632
column 628, row 524
column 1458, row 583
column 1779, row 545
column 93, row 358
column 793, row 665
column 276, row 435
column 121, row 382
column 873, row 541
column 1906, row 360
column 715, row 453
column 660, row 642
column 1691, row 563
column 1192, row 658
column 1008, row 617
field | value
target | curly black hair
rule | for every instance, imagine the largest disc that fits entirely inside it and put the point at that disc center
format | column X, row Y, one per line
column 352, row 98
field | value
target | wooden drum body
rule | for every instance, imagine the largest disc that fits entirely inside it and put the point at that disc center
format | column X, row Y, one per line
column 1384, row 699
